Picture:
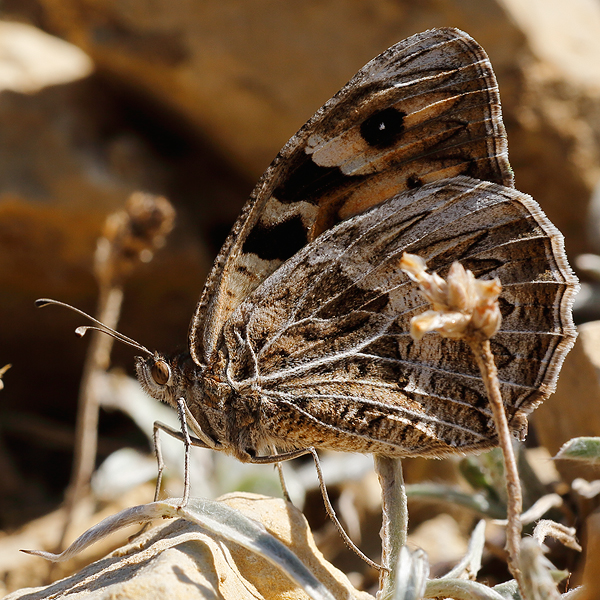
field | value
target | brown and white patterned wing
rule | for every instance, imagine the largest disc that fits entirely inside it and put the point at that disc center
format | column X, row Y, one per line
column 325, row 343
column 426, row 109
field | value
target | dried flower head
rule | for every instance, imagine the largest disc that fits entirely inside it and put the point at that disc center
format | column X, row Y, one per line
column 132, row 235
column 462, row 305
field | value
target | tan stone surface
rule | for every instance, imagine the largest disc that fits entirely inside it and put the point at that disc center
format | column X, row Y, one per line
column 249, row 74
column 589, row 334
column 552, row 26
column 24, row 59
column 441, row 538
column 573, row 410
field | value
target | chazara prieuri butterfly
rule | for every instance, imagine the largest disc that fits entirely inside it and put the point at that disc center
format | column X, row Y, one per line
column 301, row 336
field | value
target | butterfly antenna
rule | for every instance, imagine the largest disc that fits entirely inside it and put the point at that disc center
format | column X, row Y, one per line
column 80, row 331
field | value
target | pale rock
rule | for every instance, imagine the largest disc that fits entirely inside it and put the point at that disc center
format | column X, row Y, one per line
column 441, row 538
column 181, row 560
column 249, row 75
column 31, row 59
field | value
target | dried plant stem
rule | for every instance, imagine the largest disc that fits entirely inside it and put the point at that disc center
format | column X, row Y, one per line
column 394, row 527
column 489, row 372
column 86, row 429
column 130, row 236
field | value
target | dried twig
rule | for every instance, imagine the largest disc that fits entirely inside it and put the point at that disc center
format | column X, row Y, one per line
column 514, row 506
column 130, row 236
column 467, row 308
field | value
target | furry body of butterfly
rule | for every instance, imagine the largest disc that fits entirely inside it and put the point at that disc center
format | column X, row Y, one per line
column 301, row 336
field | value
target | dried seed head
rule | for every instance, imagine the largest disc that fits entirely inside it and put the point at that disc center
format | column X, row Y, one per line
column 462, row 305
column 132, row 235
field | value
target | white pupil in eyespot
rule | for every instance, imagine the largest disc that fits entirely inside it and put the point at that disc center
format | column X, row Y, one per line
column 160, row 372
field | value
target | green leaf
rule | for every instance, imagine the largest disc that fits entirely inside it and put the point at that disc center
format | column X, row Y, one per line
column 411, row 574
column 586, row 449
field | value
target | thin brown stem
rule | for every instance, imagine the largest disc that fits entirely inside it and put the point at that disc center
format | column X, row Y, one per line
column 130, row 236
column 489, row 372
column 86, row 429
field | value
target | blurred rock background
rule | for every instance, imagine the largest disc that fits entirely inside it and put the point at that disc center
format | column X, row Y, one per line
column 192, row 100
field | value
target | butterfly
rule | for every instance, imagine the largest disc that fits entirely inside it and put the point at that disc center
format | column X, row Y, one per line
column 300, row 338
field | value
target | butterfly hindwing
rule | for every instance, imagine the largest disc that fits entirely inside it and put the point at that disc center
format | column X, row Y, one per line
column 325, row 339
column 426, row 109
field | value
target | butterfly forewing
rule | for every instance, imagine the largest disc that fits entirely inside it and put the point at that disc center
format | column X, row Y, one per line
column 426, row 109
column 325, row 339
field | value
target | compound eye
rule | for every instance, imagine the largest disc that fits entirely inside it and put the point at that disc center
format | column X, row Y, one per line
column 161, row 372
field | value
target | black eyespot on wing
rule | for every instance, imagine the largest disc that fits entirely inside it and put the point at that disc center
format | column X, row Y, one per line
column 279, row 241
column 383, row 128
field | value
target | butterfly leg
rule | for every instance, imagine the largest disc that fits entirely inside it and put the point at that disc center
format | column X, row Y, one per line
column 277, row 458
column 159, row 457
column 180, row 435
column 161, row 467
column 188, row 444
column 158, row 426
column 331, row 512
column 286, row 494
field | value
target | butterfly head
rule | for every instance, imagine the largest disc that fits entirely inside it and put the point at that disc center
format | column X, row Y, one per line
column 159, row 376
